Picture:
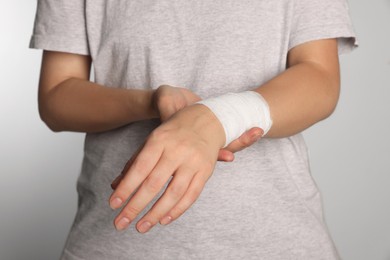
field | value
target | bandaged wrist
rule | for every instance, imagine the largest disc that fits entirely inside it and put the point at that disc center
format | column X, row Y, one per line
column 239, row 112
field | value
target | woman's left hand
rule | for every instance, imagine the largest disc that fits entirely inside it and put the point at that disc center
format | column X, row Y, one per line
column 167, row 100
column 185, row 147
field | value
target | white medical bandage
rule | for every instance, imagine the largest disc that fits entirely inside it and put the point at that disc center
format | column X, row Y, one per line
column 239, row 112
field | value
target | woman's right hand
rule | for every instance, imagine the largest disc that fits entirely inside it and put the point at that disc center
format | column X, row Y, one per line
column 167, row 100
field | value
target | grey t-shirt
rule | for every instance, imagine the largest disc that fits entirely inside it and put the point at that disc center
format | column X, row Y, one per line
column 265, row 204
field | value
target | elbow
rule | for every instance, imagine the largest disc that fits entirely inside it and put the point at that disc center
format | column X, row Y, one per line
column 329, row 91
column 330, row 100
column 50, row 122
column 48, row 117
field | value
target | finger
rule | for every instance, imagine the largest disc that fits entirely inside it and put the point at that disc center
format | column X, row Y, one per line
column 245, row 140
column 167, row 112
column 119, row 178
column 225, row 155
column 141, row 167
column 116, row 182
column 149, row 188
column 191, row 195
column 173, row 193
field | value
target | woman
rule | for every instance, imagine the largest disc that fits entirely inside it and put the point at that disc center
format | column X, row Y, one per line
column 153, row 61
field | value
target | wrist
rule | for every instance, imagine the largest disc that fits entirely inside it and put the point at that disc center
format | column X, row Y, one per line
column 238, row 112
column 203, row 122
column 209, row 126
column 151, row 108
column 139, row 105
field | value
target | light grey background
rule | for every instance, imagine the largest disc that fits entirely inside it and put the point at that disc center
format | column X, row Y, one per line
column 350, row 152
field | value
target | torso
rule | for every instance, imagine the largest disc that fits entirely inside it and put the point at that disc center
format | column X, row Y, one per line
column 265, row 205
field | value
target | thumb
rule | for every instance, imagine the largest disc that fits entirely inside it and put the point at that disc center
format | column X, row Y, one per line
column 245, row 140
column 225, row 155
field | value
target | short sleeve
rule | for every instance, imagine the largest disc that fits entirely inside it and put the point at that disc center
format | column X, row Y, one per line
column 60, row 25
column 319, row 19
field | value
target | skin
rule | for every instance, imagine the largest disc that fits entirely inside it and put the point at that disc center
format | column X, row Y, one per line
column 187, row 144
column 69, row 102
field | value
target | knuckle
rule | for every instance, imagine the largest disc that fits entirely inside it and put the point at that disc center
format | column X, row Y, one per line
column 157, row 135
column 245, row 142
column 180, row 103
column 131, row 211
column 138, row 167
column 164, row 100
column 154, row 213
column 177, row 190
column 194, row 193
column 153, row 185
column 190, row 152
column 198, row 157
column 248, row 142
column 177, row 211
column 192, row 196
column 208, row 165
column 171, row 157
column 183, row 146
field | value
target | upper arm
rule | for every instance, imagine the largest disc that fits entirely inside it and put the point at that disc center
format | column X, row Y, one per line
column 58, row 67
column 322, row 54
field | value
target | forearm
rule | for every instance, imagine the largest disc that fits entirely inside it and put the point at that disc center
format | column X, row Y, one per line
column 300, row 97
column 82, row 106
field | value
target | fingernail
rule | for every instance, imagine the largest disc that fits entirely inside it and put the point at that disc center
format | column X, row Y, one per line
column 115, row 203
column 144, row 227
column 166, row 220
column 122, row 224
